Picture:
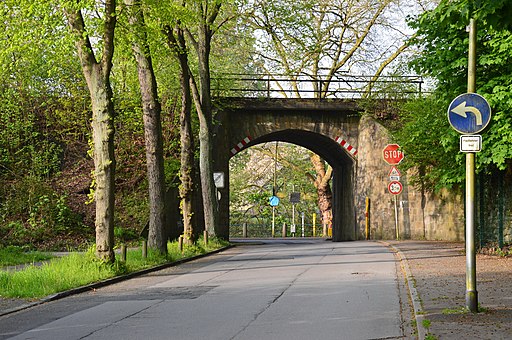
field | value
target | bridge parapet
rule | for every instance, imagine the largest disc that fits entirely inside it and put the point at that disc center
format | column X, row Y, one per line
column 303, row 86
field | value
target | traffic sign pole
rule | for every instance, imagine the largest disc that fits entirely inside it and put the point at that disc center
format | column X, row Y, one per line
column 471, row 292
column 273, row 221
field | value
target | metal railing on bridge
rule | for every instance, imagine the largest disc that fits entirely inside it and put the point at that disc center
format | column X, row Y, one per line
column 303, row 86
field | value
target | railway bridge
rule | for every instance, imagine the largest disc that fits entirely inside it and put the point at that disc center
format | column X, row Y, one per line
column 333, row 125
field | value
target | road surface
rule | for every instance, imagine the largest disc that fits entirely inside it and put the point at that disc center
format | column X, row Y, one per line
column 277, row 289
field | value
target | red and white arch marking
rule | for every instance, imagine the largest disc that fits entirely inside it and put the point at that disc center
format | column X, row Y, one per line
column 351, row 150
column 240, row 145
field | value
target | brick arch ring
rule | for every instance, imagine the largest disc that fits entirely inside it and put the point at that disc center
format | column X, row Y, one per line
column 340, row 140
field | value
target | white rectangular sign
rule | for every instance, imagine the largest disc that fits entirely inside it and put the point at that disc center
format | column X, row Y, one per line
column 470, row 143
column 218, row 178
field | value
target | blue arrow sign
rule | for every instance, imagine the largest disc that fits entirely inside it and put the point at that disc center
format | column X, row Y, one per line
column 274, row 201
column 469, row 113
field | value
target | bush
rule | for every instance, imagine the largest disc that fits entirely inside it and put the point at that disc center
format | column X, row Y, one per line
column 34, row 215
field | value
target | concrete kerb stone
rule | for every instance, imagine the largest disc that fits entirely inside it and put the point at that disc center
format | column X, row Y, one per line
column 413, row 293
column 107, row 282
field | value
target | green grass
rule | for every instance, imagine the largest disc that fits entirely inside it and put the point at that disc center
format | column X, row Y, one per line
column 452, row 311
column 463, row 310
column 78, row 269
column 426, row 323
column 13, row 256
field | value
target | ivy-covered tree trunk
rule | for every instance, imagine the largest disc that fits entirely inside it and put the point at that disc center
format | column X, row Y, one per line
column 176, row 41
column 202, row 100
column 157, row 237
column 97, row 75
column 323, row 188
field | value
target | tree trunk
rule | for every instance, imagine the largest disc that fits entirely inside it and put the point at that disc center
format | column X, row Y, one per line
column 104, row 167
column 187, row 160
column 323, row 188
column 97, row 76
column 202, row 99
column 157, row 237
column 177, row 43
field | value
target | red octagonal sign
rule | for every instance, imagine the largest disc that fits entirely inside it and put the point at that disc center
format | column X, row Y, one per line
column 392, row 155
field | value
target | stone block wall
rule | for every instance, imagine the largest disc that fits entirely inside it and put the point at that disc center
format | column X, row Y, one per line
column 420, row 215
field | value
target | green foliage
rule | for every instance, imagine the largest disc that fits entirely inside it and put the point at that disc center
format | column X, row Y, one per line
column 45, row 113
column 435, row 154
column 125, row 234
column 132, row 213
column 24, row 150
column 426, row 136
column 251, row 184
column 57, row 275
column 78, row 269
column 12, row 256
column 34, row 215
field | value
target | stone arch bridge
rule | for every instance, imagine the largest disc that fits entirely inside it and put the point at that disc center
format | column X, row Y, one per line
column 352, row 144
column 330, row 128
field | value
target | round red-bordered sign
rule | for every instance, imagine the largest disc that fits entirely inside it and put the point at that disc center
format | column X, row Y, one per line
column 395, row 187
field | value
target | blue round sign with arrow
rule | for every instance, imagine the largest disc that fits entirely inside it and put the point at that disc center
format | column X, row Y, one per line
column 469, row 113
column 274, row 201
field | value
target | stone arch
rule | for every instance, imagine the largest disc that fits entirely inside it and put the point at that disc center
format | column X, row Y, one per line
column 330, row 129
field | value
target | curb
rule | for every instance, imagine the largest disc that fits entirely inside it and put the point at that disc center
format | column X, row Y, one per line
column 413, row 293
column 107, row 282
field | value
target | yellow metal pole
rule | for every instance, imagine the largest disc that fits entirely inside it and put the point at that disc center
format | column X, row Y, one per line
column 314, row 224
column 367, row 216
column 471, row 292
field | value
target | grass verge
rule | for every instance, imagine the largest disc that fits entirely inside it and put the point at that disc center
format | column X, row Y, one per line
column 78, row 269
column 13, row 256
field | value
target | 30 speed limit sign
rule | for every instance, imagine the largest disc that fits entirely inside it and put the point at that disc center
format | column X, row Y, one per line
column 395, row 187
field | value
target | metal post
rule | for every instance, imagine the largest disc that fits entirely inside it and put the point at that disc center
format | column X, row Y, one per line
column 396, row 219
column 302, row 216
column 293, row 220
column 284, row 229
column 268, row 86
column 314, row 224
column 273, row 221
column 367, row 218
column 471, row 292
column 274, row 192
column 480, row 189
column 244, row 230
column 501, row 187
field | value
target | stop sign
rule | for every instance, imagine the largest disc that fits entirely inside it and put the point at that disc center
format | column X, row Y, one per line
column 392, row 155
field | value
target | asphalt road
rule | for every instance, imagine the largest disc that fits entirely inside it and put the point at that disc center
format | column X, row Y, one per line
column 280, row 289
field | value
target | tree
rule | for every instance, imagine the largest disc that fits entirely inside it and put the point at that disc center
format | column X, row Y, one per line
column 206, row 12
column 252, row 182
column 198, row 22
column 177, row 43
column 444, row 43
column 151, row 109
column 322, row 40
column 96, row 67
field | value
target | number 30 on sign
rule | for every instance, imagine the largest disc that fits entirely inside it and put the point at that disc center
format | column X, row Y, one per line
column 395, row 187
